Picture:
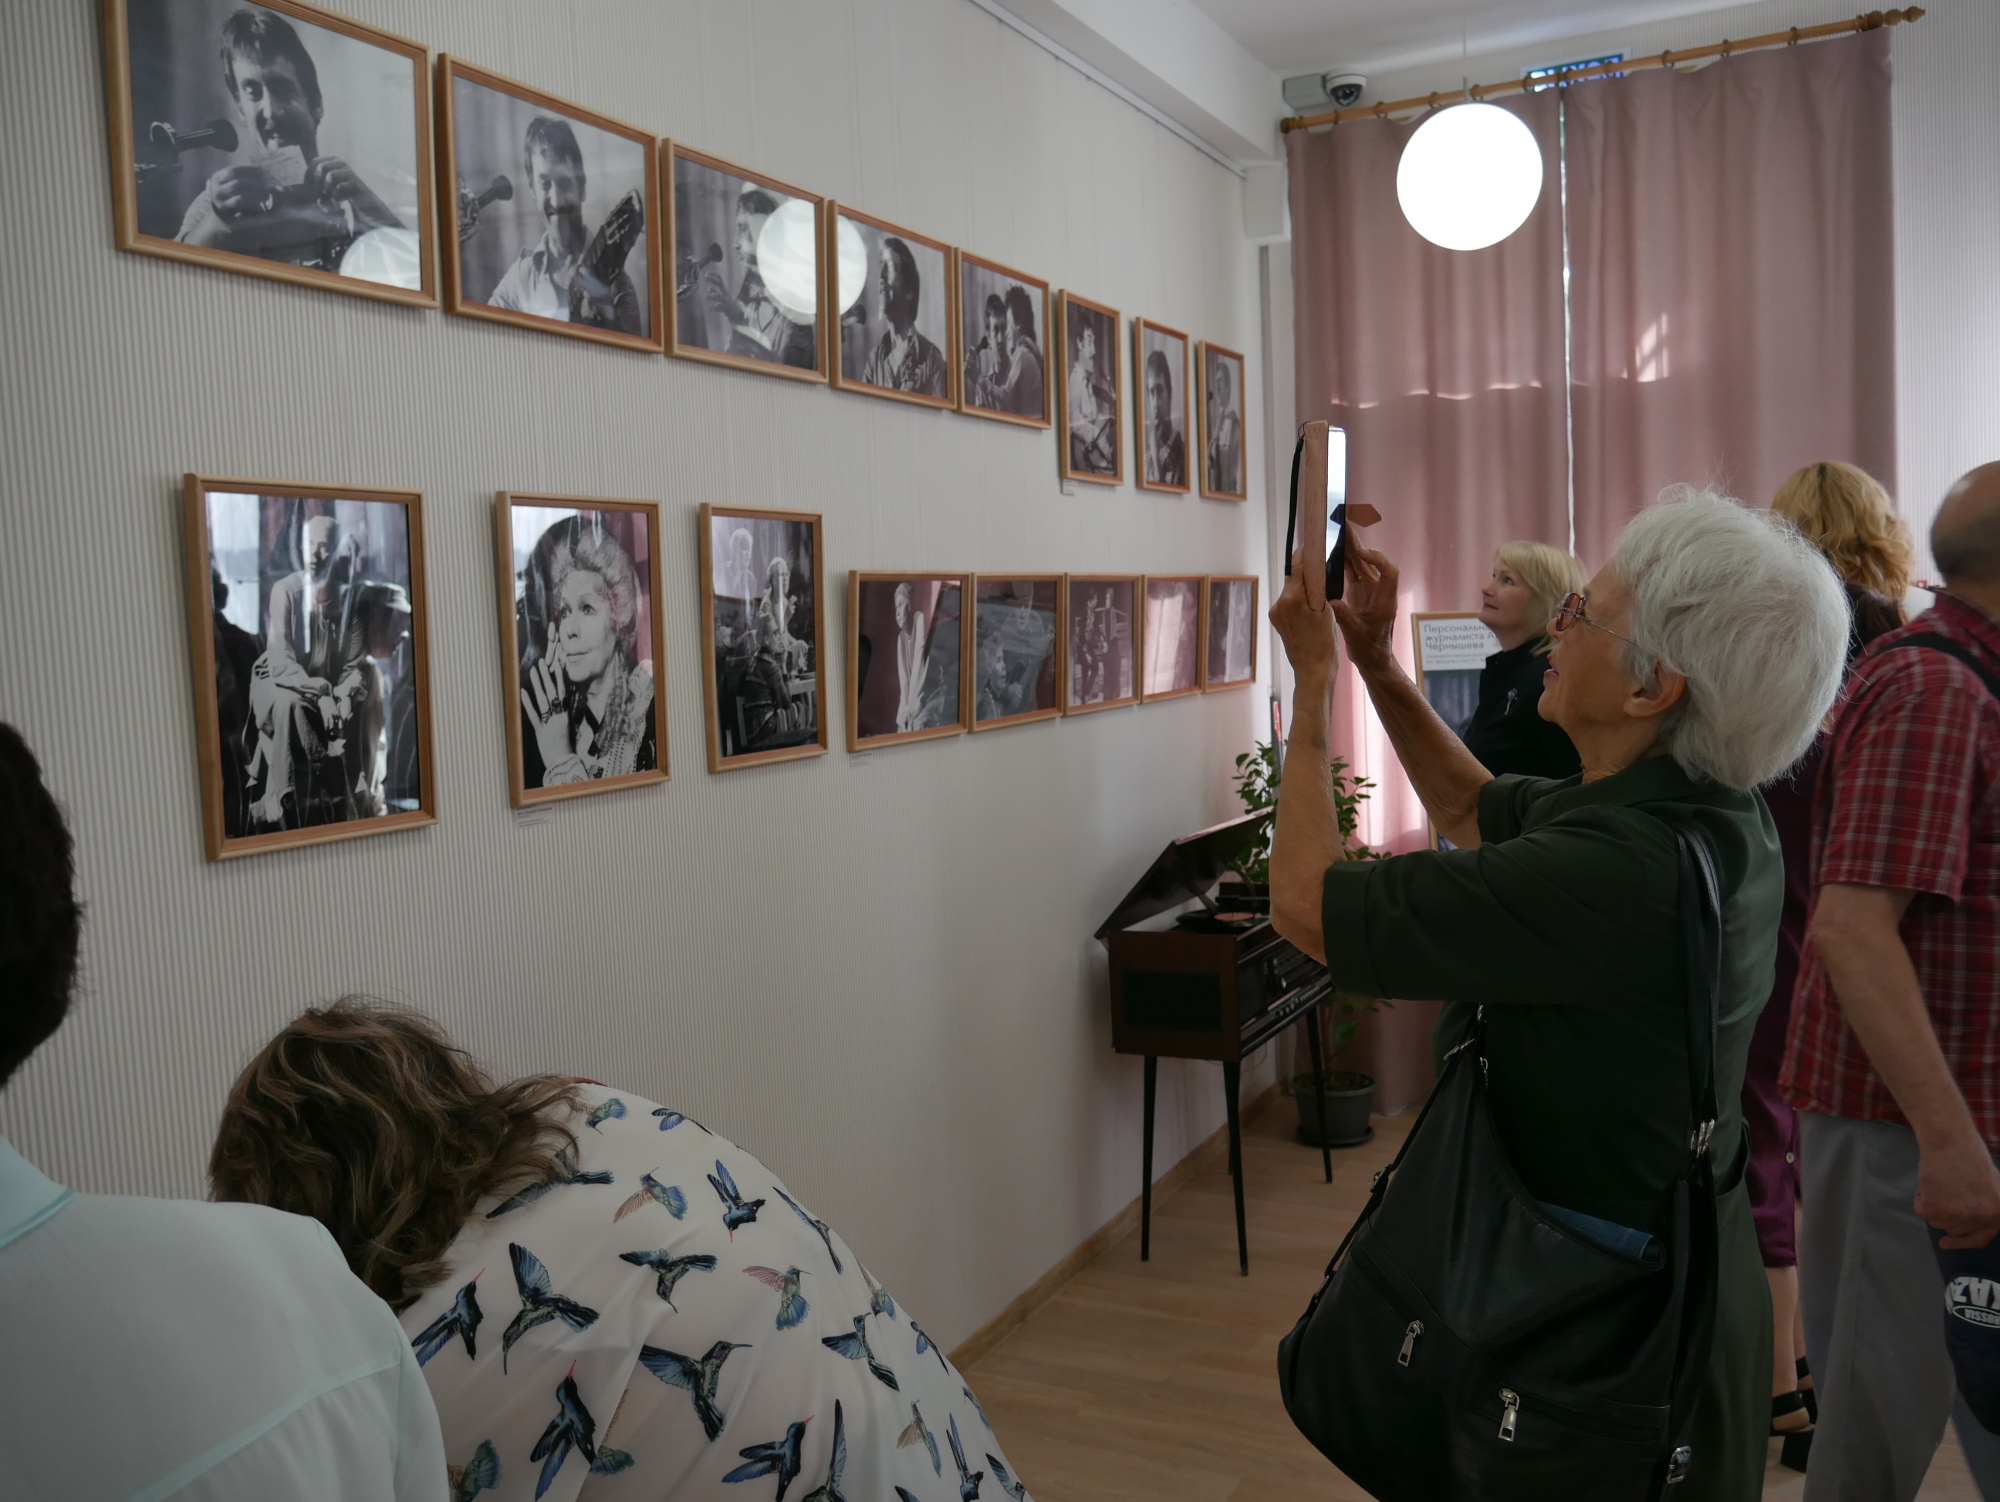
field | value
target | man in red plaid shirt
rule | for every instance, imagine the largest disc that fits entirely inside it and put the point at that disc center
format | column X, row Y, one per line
column 1894, row 1056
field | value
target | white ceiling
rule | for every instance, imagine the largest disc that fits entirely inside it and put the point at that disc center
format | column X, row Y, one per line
column 1376, row 36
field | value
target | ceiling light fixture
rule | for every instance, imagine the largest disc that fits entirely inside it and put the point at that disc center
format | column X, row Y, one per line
column 1470, row 176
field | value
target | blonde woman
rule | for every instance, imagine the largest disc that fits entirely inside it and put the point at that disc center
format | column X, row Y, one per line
column 1845, row 513
column 1506, row 732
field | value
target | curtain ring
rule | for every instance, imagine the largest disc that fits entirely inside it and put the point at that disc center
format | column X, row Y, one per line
column 1666, row 59
column 1726, row 45
column 1381, row 109
column 1432, row 102
column 1795, row 38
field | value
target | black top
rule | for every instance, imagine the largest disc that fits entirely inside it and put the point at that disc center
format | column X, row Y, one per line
column 1507, row 732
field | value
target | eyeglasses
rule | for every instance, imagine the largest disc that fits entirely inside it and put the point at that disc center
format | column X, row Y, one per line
column 1571, row 611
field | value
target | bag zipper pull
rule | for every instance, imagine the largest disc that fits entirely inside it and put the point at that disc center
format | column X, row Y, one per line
column 1510, row 1406
column 1409, row 1342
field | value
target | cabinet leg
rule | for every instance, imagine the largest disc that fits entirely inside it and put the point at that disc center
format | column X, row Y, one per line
column 1146, row 1158
column 1232, row 1079
column 1319, row 1084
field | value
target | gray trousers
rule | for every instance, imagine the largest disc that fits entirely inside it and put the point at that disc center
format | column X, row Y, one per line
column 1873, row 1300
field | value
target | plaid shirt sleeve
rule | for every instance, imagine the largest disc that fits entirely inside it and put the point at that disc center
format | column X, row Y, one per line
column 1903, row 775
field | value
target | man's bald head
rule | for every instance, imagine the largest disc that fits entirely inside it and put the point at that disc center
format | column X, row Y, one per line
column 1965, row 538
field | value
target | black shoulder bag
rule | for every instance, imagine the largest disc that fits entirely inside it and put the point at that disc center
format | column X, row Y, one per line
column 1466, row 1345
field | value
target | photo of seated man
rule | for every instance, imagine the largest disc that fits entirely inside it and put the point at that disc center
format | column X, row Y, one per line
column 277, row 139
column 728, row 300
column 763, row 634
column 1091, row 392
column 1014, row 649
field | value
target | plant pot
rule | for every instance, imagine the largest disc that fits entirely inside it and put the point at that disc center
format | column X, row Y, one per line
column 1338, row 1117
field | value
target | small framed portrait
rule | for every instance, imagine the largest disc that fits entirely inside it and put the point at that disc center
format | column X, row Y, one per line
column 311, row 662
column 581, row 643
column 1088, row 443
column 905, row 646
column 749, row 262
column 1101, row 641
column 763, row 613
column 1229, row 632
column 1160, row 373
column 1003, row 317
column 1219, row 421
column 556, row 206
column 1017, row 649
column 276, row 139
column 1170, row 659
column 893, row 289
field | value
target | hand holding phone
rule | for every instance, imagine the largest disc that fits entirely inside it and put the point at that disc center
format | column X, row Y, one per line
column 1319, row 473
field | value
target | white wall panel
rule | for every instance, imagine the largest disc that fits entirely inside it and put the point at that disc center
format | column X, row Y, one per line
column 876, row 972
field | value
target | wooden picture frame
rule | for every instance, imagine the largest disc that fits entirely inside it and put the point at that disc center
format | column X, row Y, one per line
column 727, row 712
column 937, row 312
column 1207, row 358
column 1095, row 456
column 1015, row 641
column 690, row 268
column 1152, row 656
column 263, row 738
column 1210, row 683
column 1083, row 636
column 148, row 214
column 863, row 676
column 521, row 608
column 1148, row 339
column 455, row 197
column 988, row 278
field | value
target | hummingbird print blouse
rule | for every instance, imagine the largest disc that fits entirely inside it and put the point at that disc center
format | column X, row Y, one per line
column 665, row 1320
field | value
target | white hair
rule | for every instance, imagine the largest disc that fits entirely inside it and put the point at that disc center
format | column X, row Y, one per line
column 1746, row 610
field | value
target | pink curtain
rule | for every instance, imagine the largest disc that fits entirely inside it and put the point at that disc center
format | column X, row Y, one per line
column 1731, row 260
column 1729, row 253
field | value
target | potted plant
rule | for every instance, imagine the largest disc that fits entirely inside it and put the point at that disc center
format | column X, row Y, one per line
column 1339, row 1113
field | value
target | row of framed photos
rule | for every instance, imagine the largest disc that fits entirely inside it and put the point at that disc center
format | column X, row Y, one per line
column 312, row 672
column 285, row 141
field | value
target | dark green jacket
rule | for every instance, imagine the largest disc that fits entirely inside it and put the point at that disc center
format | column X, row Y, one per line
column 1564, row 924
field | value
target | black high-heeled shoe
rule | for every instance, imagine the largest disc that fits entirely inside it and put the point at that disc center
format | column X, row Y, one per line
column 1806, row 1387
column 1798, row 1441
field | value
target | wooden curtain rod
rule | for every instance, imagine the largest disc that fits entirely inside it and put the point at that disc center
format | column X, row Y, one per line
column 1874, row 20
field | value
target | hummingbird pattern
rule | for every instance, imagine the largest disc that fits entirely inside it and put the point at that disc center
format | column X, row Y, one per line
column 825, row 1231
column 671, row 1269
column 651, row 1190
column 566, row 1173
column 791, row 1308
column 977, row 1409
column 461, row 1319
column 779, row 1457
column 713, row 1305
column 734, row 1211
column 669, row 1119
column 855, row 1348
column 697, row 1377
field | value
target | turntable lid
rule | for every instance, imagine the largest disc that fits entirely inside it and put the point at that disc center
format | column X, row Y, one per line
column 1187, row 869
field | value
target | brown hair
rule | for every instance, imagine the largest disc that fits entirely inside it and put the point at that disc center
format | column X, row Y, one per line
column 365, row 1117
column 1845, row 513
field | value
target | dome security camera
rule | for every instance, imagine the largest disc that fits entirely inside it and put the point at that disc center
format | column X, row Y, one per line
column 1345, row 89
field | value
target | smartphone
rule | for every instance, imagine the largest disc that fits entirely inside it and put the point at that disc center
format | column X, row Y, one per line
column 1319, row 472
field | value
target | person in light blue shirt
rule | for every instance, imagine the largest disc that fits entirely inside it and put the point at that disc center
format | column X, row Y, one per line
column 162, row 1349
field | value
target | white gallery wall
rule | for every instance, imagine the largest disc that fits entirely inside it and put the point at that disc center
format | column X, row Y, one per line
column 876, row 972
column 1947, row 175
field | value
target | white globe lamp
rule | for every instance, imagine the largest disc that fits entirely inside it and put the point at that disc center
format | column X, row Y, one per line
column 788, row 258
column 1469, row 176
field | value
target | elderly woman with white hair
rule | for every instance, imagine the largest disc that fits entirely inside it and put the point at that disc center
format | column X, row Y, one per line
column 1697, row 664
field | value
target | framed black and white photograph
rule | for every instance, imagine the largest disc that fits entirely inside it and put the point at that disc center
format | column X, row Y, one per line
column 556, row 208
column 1170, row 658
column 905, row 648
column 1003, row 318
column 1229, row 632
column 893, row 291
column 276, row 139
column 1101, row 641
column 1160, row 375
column 1016, row 649
column 581, row 643
column 311, row 662
column 749, row 262
column 763, row 613
column 1219, row 422
column 1089, row 445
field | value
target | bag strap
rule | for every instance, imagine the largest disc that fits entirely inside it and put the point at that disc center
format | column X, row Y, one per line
column 1701, row 948
column 1950, row 648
